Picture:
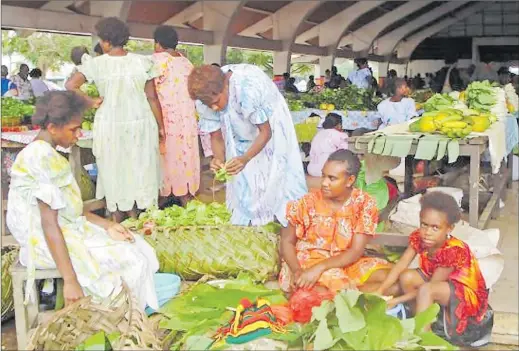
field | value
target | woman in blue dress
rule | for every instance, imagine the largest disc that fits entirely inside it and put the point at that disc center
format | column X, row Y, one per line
column 253, row 138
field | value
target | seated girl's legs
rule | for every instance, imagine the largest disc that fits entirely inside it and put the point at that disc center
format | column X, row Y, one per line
column 409, row 281
column 432, row 292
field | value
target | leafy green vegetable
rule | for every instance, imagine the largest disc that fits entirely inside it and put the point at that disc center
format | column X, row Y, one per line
column 200, row 311
column 222, row 175
column 481, row 96
column 439, row 102
column 348, row 98
column 91, row 90
column 357, row 321
column 12, row 107
column 195, row 213
column 99, row 342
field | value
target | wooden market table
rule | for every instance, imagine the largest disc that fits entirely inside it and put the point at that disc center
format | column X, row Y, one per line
column 472, row 148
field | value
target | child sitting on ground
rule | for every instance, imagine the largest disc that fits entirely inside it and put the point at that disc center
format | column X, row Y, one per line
column 398, row 108
column 448, row 274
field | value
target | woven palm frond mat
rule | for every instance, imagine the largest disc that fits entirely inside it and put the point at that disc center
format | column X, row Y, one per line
column 71, row 326
column 429, row 146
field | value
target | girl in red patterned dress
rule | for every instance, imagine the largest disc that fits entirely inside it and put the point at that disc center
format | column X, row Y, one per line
column 448, row 274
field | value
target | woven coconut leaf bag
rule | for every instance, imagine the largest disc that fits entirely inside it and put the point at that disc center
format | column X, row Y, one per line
column 9, row 255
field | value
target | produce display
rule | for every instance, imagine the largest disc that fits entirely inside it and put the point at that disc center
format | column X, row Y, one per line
column 357, row 321
column 512, row 100
column 350, row 98
column 195, row 213
column 200, row 311
column 422, row 95
column 487, row 97
column 14, row 113
column 88, row 120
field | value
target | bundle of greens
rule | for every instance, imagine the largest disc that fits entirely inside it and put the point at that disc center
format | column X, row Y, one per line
column 195, row 213
column 481, row 96
column 221, row 251
column 195, row 316
column 91, row 90
column 15, row 108
column 356, row 321
column 421, row 96
column 350, row 98
column 439, row 102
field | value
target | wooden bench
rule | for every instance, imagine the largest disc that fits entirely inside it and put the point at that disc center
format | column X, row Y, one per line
column 26, row 316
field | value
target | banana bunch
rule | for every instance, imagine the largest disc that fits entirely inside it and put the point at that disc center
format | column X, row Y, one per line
column 453, row 125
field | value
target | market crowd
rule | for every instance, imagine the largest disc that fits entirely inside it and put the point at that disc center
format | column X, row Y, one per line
column 145, row 141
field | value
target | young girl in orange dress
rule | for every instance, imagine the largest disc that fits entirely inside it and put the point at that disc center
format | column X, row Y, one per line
column 328, row 229
column 448, row 274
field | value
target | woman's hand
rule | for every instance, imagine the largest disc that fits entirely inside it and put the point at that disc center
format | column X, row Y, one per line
column 236, row 165
column 96, row 102
column 216, row 165
column 72, row 291
column 119, row 233
column 392, row 303
column 310, row 276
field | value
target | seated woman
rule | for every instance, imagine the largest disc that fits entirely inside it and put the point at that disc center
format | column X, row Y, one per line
column 398, row 108
column 448, row 274
column 328, row 140
column 328, row 230
column 45, row 215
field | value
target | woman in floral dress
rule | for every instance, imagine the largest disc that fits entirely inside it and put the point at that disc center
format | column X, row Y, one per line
column 128, row 123
column 328, row 230
column 251, row 128
column 181, row 160
column 45, row 215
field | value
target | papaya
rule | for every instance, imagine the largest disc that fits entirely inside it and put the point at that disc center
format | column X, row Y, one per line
column 481, row 123
column 414, row 127
column 455, row 124
column 423, row 125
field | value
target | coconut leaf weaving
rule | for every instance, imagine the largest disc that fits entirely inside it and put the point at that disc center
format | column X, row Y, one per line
column 9, row 255
column 220, row 251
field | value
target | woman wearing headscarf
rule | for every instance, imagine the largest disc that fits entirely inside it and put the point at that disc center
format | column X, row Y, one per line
column 260, row 148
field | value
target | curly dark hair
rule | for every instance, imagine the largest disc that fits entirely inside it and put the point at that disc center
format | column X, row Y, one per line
column 205, row 83
column 347, row 157
column 332, row 120
column 58, row 107
column 442, row 202
column 98, row 49
column 113, row 30
column 166, row 36
column 77, row 53
column 35, row 73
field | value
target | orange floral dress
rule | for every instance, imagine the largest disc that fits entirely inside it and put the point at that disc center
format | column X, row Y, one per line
column 181, row 162
column 469, row 302
column 323, row 233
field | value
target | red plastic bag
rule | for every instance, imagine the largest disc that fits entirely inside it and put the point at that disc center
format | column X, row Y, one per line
column 302, row 301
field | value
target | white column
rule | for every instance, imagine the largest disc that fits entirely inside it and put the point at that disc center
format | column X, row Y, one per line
column 325, row 62
column 281, row 62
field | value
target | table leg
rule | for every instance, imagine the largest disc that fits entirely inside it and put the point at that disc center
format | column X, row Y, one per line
column 408, row 177
column 474, row 187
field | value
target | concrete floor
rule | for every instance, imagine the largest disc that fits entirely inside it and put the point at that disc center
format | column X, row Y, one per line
column 503, row 299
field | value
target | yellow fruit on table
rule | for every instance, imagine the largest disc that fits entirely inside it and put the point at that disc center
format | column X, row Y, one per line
column 323, row 106
column 455, row 124
column 510, row 107
column 427, row 125
column 481, row 123
column 331, row 107
column 418, row 106
column 462, row 96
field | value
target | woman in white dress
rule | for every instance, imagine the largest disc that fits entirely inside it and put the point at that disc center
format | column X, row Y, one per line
column 128, row 123
column 45, row 215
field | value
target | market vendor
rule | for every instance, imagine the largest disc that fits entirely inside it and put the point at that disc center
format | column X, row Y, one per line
column 328, row 140
column 260, row 148
column 328, row 231
column 399, row 108
column 362, row 78
column 45, row 215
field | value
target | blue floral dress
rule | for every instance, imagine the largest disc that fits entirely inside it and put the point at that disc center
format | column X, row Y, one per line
column 260, row 193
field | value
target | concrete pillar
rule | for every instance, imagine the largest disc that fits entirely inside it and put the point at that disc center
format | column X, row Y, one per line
column 326, row 62
column 281, row 62
column 214, row 54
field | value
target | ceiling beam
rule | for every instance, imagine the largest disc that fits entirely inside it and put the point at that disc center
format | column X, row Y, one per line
column 113, row 8
column 60, row 6
column 25, row 18
column 406, row 47
column 287, row 13
column 387, row 43
column 331, row 30
column 188, row 15
column 363, row 37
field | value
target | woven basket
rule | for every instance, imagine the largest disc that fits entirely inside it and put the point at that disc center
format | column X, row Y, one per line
column 9, row 254
column 71, row 326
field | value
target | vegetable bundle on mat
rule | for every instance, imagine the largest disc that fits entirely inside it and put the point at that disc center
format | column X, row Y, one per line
column 220, row 251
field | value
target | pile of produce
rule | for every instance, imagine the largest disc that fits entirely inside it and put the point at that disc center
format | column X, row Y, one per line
column 199, row 312
column 350, row 98
column 91, row 90
column 195, row 213
column 197, row 240
column 356, row 321
column 485, row 97
column 512, row 100
column 422, row 95
column 14, row 112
